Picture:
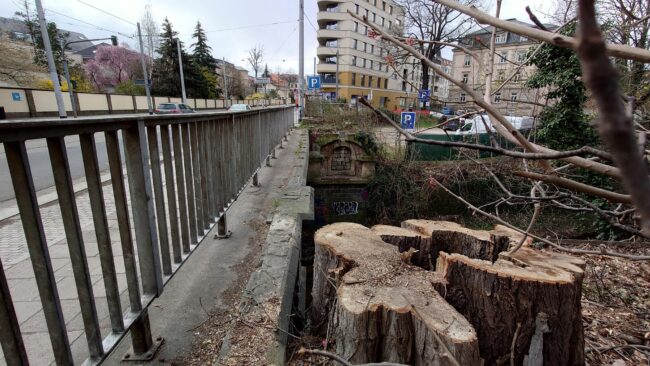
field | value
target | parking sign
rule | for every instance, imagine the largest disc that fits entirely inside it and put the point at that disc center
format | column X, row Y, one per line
column 313, row 82
column 424, row 95
column 407, row 121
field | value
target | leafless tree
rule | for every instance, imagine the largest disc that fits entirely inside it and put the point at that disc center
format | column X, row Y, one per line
column 16, row 65
column 151, row 37
column 256, row 58
column 427, row 20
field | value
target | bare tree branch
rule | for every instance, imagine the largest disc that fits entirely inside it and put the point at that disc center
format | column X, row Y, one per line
column 535, row 20
column 616, row 127
column 615, row 50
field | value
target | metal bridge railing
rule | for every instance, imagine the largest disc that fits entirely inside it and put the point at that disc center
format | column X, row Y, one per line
column 207, row 160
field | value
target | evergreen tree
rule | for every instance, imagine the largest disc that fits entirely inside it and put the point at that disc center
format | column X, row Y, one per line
column 166, row 73
column 266, row 72
column 202, row 52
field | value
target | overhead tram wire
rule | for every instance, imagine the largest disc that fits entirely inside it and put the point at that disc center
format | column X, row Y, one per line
column 309, row 20
column 106, row 12
column 283, row 43
column 90, row 24
column 250, row 26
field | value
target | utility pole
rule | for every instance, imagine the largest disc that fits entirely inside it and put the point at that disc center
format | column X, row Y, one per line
column 301, row 57
column 180, row 66
column 225, row 82
column 50, row 59
column 67, row 79
column 144, row 71
column 337, row 75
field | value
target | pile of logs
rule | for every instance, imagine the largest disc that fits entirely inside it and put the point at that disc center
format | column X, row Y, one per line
column 436, row 293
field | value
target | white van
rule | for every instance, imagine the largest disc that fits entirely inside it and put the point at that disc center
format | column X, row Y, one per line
column 475, row 125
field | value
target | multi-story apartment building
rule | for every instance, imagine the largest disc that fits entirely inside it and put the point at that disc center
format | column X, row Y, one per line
column 361, row 60
column 440, row 89
column 510, row 51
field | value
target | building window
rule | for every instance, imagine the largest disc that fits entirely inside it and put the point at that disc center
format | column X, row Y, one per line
column 374, row 17
column 502, row 57
column 523, row 39
column 390, row 24
column 521, row 56
column 385, row 83
column 382, row 21
column 468, row 60
column 435, row 89
column 332, row 43
column 364, row 62
column 465, row 78
column 374, row 3
column 390, row 9
column 501, row 75
column 372, row 48
column 370, row 81
column 383, row 5
column 332, row 26
column 356, row 26
column 354, row 79
column 462, row 98
column 363, row 80
column 497, row 98
column 366, row 13
column 354, row 60
column 332, row 9
column 354, row 44
column 513, row 96
column 501, row 38
column 370, row 66
column 517, row 77
column 356, row 9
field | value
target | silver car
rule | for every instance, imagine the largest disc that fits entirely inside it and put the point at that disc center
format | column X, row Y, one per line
column 239, row 108
column 173, row 108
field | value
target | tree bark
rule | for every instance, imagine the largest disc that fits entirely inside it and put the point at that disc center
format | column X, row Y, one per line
column 375, row 306
column 384, row 309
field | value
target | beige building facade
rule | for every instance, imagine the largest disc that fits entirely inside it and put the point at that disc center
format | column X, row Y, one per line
column 363, row 70
column 514, row 99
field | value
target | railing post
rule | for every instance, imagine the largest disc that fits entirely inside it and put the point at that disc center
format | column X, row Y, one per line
column 222, row 228
column 137, row 163
column 10, row 338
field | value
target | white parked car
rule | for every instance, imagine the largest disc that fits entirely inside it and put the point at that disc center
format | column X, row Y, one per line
column 475, row 125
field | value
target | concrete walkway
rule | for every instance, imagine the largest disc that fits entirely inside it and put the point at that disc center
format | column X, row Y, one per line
column 197, row 289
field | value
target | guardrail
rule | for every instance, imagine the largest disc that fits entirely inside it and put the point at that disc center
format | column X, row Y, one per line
column 207, row 160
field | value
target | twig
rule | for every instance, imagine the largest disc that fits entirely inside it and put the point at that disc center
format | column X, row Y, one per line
column 330, row 355
column 514, row 341
column 535, row 20
column 603, row 251
column 603, row 349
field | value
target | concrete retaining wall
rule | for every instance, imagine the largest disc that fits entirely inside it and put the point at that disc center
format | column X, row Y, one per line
column 23, row 102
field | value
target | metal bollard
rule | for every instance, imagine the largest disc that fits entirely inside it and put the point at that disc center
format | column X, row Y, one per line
column 273, row 154
column 256, row 181
column 222, row 228
column 268, row 160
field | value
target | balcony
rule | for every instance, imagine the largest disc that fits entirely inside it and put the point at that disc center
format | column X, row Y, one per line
column 331, row 16
column 326, row 51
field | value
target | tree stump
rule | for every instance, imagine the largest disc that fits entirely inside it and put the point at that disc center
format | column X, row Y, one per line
column 378, row 308
column 499, row 294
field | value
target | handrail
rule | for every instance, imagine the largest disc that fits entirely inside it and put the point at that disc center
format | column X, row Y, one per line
column 207, row 160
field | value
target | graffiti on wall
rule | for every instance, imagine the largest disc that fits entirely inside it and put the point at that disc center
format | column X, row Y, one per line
column 345, row 208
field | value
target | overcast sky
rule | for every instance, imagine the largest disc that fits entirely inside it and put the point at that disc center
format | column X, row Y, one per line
column 233, row 26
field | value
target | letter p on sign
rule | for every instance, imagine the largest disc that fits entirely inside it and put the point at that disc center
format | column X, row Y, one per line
column 408, row 121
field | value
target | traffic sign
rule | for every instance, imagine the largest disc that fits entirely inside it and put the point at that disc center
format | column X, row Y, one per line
column 15, row 96
column 263, row 80
column 424, row 95
column 141, row 82
column 313, row 82
column 407, row 121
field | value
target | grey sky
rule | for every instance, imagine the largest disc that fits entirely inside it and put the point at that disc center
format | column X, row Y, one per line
column 233, row 27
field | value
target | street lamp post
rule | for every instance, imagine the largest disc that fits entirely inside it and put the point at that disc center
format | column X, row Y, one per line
column 180, row 66
column 50, row 59
column 64, row 45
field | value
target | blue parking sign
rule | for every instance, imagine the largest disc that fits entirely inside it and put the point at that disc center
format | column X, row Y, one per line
column 15, row 96
column 424, row 95
column 407, row 121
column 313, row 82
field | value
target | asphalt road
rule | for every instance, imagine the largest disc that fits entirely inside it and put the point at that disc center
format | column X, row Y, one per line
column 39, row 161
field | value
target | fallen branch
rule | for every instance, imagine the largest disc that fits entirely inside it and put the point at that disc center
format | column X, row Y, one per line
column 615, row 50
column 497, row 150
column 339, row 359
column 501, row 124
column 576, row 186
column 603, row 250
